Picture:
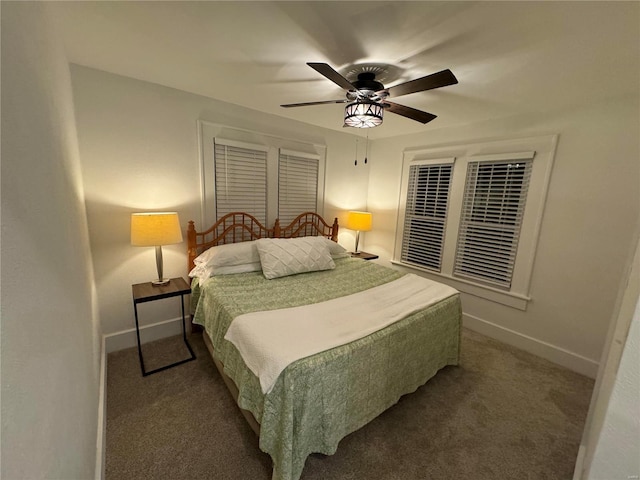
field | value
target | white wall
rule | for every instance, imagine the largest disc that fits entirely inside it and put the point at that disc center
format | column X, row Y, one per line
column 50, row 334
column 588, row 228
column 139, row 150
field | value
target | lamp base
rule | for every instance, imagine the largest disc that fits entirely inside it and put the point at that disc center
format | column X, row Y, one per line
column 161, row 281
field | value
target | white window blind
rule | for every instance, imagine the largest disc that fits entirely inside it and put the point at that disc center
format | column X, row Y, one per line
column 426, row 212
column 297, row 185
column 240, row 172
column 492, row 210
column 240, row 180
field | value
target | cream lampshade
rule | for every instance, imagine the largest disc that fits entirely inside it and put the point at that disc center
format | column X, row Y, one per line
column 360, row 222
column 154, row 229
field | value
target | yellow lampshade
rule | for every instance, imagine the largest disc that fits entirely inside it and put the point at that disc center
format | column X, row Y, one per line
column 360, row 221
column 154, row 229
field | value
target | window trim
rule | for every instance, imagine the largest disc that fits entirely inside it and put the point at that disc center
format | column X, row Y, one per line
column 544, row 147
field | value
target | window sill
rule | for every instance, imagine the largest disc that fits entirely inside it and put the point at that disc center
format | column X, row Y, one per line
column 510, row 299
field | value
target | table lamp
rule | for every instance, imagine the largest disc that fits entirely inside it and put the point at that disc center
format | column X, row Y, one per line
column 155, row 229
column 360, row 222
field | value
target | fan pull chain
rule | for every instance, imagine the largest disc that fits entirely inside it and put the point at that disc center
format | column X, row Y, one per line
column 356, row 162
column 366, row 149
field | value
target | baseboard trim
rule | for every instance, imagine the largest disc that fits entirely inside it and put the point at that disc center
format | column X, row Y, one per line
column 578, row 470
column 553, row 353
column 101, row 437
column 148, row 333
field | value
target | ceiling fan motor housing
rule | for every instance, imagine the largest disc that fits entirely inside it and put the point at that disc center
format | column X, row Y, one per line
column 367, row 81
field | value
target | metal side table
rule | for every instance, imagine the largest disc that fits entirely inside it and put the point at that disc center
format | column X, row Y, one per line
column 146, row 292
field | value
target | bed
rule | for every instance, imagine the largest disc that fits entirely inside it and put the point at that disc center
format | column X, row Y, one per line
column 316, row 400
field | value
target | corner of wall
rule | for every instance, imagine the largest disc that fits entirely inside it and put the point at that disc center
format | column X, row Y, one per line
column 102, row 415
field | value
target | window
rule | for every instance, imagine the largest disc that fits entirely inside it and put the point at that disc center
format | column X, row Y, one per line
column 426, row 213
column 240, row 180
column 492, row 207
column 471, row 214
column 297, row 185
column 267, row 176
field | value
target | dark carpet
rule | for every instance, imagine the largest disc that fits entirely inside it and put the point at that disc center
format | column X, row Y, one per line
column 501, row 414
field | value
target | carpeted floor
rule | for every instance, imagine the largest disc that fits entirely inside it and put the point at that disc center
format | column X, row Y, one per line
column 502, row 414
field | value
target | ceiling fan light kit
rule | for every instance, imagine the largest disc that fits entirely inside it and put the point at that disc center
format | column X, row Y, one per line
column 363, row 114
column 367, row 97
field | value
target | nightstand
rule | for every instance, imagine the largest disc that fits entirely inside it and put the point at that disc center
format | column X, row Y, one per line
column 363, row 255
column 146, row 292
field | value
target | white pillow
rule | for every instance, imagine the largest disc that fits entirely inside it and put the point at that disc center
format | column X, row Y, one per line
column 335, row 249
column 201, row 272
column 287, row 256
column 229, row 254
column 242, row 268
column 204, row 271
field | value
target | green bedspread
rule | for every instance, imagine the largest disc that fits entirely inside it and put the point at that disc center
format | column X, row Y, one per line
column 320, row 399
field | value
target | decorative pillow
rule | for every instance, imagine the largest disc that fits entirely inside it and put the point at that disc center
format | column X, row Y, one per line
column 229, row 254
column 287, row 256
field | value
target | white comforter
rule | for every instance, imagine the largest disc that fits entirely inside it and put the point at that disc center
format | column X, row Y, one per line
column 269, row 341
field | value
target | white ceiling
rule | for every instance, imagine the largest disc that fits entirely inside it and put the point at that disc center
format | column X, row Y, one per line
column 510, row 58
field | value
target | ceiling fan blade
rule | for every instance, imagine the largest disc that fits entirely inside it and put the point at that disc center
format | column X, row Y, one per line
column 435, row 80
column 412, row 113
column 331, row 74
column 289, row 105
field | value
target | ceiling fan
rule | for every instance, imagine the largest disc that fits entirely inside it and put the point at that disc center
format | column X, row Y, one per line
column 367, row 98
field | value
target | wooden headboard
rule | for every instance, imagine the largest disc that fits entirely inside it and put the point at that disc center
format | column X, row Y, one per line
column 238, row 227
column 306, row 225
